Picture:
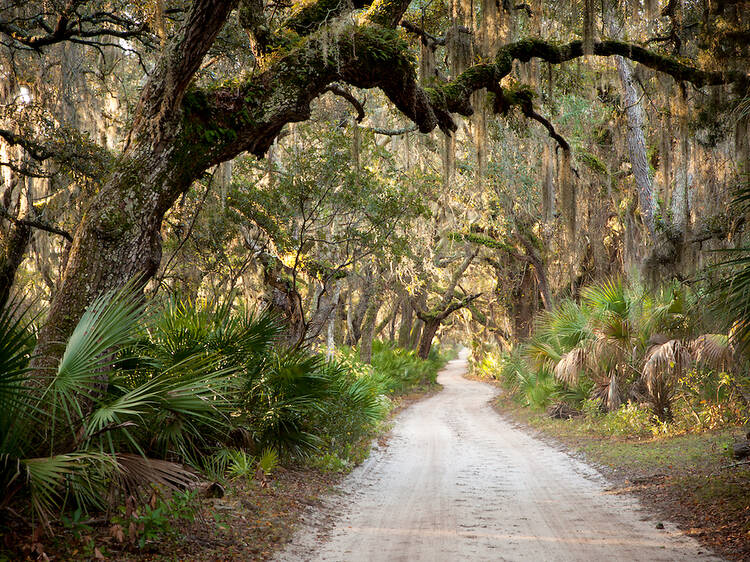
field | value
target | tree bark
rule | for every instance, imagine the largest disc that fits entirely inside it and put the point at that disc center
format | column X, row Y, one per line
column 635, row 137
column 368, row 332
column 13, row 244
column 637, row 144
column 331, row 332
column 428, row 334
column 405, row 327
column 416, row 334
column 119, row 237
column 325, row 307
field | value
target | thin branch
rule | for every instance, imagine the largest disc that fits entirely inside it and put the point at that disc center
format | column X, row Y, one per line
column 392, row 132
column 25, row 171
column 525, row 7
column 38, row 224
column 427, row 39
column 340, row 91
column 36, row 150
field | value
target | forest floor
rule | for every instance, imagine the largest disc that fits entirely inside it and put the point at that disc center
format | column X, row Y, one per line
column 689, row 479
column 459, row 482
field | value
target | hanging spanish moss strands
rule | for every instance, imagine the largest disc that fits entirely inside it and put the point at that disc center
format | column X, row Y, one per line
column 635, row 8
column 487, row 28
column 356, row 147
column 548, row 184
column 567, row 190
column 427, row 67
column 680, row 206
column 589, row 16
column 460, row 56
column 459, row 49
column 742, row 137
column 160, row 22
column 652, row 7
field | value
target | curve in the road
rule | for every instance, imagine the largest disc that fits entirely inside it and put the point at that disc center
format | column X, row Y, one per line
column 457, row 482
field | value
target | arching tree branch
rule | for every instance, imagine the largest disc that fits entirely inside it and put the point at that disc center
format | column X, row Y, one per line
column 347, row 95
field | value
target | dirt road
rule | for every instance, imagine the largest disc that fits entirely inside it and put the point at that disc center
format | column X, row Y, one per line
column 457, row 482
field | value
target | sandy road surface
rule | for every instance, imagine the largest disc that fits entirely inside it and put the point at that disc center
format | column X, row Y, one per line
column 457, row 482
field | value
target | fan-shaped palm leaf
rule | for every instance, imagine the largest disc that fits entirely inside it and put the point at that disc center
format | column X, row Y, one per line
column 136, row 471
column 611, row 309
column 568, row 324
column 568, row 370
column 49, row 478
column 107, row 325
column 713, row 351
column 17, row 407
column 543, row 353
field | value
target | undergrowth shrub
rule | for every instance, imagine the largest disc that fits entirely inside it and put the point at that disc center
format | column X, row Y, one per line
column 529, row 387
column 629, row 419
column 400, row 370
column 143, row 389
column 647, row 356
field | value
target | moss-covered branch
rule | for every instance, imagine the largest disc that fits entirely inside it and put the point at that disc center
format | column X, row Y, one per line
column 455, row 96
column 368, row 55
column 308, row 16
column 387, row 12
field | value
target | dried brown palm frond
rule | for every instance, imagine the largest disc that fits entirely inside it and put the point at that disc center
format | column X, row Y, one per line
column 607, row 357
column 605, row 353
column 136, row 471
column 568, row 370
column 607, row 388
column 713, row 351
column 664, row 364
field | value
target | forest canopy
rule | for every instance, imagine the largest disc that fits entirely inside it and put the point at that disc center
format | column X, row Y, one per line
column 118, row 115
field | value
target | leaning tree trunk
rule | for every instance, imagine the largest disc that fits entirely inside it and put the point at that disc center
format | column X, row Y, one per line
column 118, row 238
column 428, row 334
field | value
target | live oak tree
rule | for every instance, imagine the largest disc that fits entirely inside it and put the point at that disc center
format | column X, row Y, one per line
column 186, row 121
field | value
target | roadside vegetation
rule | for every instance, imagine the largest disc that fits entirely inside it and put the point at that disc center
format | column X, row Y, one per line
column 637, row 362
column 157, row 406
column 644, row 384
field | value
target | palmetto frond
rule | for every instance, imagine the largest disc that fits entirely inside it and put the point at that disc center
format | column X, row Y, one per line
column 568, row 370
column 608, row 296
column 543, row 353
column 135, row 471
column 84, row 474
column 17, row 406
column 665, row 361
column 611, row 309
column 664, row 364
column 605, row 355
column 714, row 351
column 106, row 326
column 568, row 324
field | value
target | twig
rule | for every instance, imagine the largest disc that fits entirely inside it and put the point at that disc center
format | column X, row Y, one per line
column 734, row 464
